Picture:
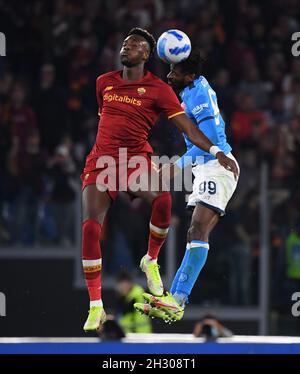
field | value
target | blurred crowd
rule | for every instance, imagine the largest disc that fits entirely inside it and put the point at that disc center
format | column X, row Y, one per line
column 48, row 124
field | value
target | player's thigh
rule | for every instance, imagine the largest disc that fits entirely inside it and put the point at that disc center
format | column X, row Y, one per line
column 149, row 186
column 95, row 203
column 205, row 216
column 203, row 221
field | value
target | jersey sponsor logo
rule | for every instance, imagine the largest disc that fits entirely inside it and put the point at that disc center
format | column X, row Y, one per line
column 141, row 90
column 121, row 99
column 199, row 108
column 108, row 88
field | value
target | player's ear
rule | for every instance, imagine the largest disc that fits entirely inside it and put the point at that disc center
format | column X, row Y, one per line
column 191, row 77
column 146, row 55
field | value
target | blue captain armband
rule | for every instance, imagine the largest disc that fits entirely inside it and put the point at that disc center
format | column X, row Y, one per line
column 189, row 157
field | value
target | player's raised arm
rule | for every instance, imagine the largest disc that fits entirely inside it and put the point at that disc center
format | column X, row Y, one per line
column 197, row 137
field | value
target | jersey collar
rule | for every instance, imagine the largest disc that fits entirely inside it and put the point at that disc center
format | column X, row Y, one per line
column 146, row 77
column 185, row 91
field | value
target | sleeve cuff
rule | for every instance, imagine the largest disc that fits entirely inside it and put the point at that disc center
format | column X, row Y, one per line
column 176, row 114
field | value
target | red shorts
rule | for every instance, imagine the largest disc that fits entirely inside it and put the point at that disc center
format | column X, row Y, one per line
column 114, row 178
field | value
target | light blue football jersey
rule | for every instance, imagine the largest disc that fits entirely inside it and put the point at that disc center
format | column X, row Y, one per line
column 200, row 104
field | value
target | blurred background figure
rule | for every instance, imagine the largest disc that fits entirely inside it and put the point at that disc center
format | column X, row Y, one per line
column 50, row 103
column 111, row 329
column 211, row 329
column 62, row 169
column 292, row 259
column 129, row 293
column 27, row 165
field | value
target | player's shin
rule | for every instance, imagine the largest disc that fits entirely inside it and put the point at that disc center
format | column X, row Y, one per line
column 159, row 223
column 189, row 272
column 159, row 226
column 183, row 263
column 91, row 260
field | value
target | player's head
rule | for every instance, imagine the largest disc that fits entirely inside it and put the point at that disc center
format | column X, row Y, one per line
column 124, row 283
column 184, row 73
column 137, row 47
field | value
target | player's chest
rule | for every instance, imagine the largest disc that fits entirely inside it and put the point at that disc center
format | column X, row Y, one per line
column 129, row 96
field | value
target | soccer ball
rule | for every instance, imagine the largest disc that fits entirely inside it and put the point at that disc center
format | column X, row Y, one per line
column 173, row 46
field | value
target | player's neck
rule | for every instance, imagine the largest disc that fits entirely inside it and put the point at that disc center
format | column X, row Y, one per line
column 133, row 74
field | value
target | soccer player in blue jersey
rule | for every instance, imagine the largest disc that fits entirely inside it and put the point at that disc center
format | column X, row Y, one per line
column 213, row 185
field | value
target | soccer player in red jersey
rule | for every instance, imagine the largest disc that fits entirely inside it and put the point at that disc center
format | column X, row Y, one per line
column 130, row 102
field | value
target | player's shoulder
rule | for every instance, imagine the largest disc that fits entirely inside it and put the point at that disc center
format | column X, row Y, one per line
column 202, row 83
column 156, row 80
column 105, row 76
column 200, row 86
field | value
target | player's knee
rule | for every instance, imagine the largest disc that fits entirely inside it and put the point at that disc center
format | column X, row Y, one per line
column 91, row 229
column 198, row 231
column 94, row 214
column 163, row 202
column 161, row 210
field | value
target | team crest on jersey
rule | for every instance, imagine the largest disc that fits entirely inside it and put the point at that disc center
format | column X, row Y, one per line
column 108, row 88
column 141, row 90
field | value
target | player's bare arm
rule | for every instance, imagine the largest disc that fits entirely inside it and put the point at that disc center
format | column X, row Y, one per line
column 197, row 137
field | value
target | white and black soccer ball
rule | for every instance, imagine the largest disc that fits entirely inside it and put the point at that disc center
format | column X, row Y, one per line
column 173, row 46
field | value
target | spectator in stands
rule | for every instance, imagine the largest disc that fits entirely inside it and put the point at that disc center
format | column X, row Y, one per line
column 19, row 116
column 111, row 330
column 50, row 105
column 26, row 185
column 130, row 293
column 211, row 329
column 248, row 123
column 292, row 253
column 61, row 170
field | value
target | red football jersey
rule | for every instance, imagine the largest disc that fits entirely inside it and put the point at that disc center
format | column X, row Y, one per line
column 128, row 111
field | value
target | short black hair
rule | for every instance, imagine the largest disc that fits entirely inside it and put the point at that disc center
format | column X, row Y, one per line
column 146, row 35
column 193, row 64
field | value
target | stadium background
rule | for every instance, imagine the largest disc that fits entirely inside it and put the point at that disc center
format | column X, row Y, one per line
column 48, row 123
